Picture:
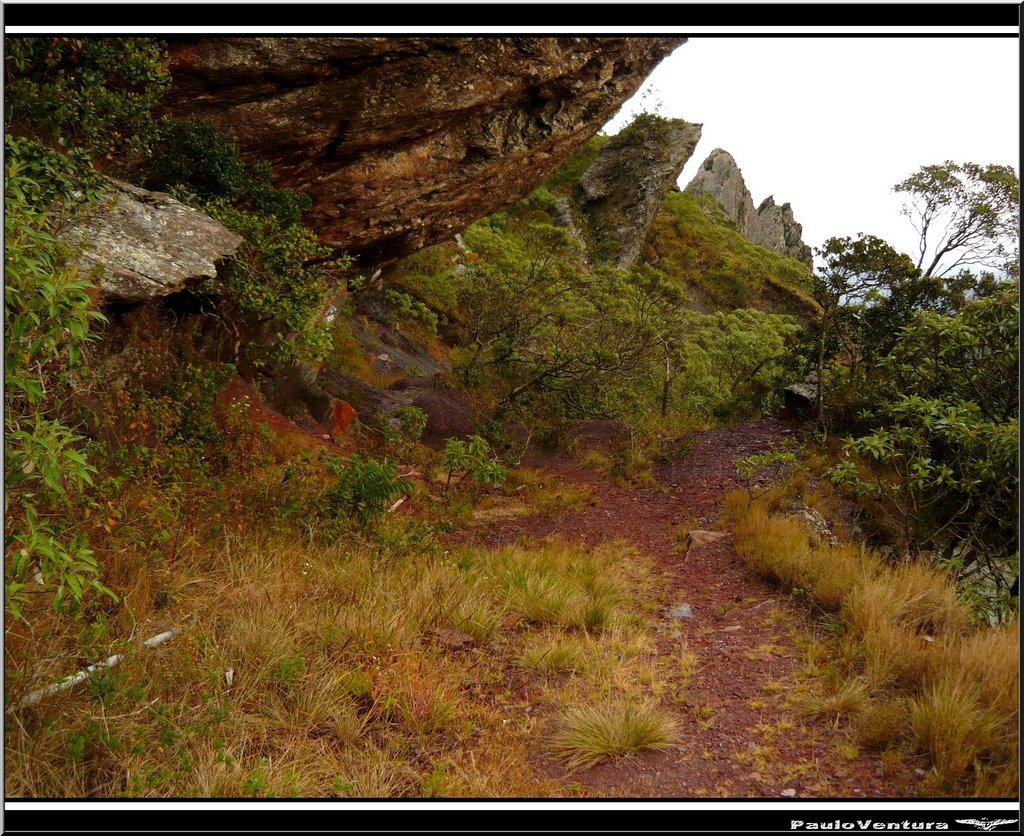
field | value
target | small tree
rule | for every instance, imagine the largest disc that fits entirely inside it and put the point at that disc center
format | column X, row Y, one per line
column 965, row 214
column 856, row 272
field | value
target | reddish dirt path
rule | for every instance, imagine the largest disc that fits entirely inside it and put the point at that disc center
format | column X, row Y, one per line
column 739, row 740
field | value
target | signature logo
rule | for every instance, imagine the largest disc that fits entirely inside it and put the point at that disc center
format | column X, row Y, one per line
column 986, row 824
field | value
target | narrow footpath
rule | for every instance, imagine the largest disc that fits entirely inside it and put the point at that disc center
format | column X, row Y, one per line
column 753, row 643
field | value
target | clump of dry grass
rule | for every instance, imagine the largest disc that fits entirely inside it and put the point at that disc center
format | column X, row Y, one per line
column 780, row 549
column 882, row 721
column 564, row 585
column 543, row 492
column 554, row 654
column 614, row 728
column 840, row 702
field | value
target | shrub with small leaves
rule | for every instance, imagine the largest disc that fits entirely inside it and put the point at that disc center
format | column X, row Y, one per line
column 47, row 316
column 279, row 278
column 412, row 421
column 472, row 458
column 97, row 94
column 192, row 157
column 363, row 488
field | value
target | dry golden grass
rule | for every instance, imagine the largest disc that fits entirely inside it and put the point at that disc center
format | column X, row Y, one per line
column 318, row 669
column 780, row 549
column 883, row 721
column 842, row 701
column 929, row 678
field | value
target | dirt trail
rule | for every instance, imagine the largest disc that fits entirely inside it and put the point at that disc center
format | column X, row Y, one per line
column 740, row 739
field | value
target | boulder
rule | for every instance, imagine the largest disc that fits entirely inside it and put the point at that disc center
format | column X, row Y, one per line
column 145, row 244
column 799, row 400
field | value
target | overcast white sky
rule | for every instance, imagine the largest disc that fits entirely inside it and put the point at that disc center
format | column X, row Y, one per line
column 831, row 124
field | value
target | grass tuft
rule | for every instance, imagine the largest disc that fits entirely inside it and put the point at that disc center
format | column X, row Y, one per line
column 612, row 729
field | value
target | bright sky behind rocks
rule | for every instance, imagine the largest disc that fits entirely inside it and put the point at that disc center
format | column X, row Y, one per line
column 831, row 124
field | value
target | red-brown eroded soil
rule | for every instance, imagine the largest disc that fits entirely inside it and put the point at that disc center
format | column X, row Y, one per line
column 739, row 738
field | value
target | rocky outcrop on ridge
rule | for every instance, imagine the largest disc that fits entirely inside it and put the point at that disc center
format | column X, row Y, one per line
column 776, row 229
column 626, row 184
column 770, row 225
column 720, row 177
column 146, row 244
column 401, row 142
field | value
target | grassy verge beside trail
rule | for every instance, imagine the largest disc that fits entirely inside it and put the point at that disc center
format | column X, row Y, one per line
column 911, row 672
column 334, row 670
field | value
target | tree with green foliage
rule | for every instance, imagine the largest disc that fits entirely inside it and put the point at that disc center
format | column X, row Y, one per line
column 552, row 330
column 856, row 272
column 965, row 214
column 733, row 364
column 944, row 455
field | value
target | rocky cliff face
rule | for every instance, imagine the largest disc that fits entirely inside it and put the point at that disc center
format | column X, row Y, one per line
column 401, row 142
column 626, row 184
column 770, row 226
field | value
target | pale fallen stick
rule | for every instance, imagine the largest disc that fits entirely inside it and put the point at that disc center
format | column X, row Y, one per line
column 396, row 503
column 81, row 676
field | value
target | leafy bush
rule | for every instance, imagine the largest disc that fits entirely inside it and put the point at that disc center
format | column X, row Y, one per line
column 278, row 279
column 47, row 315
column 192, row 157
column 942, row 460
column 412, row 422
column 98, row 94
column 362, row 488
column 472, row 458
column 406, row 309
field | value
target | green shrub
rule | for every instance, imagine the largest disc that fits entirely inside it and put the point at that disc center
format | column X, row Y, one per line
column 98, row 94
column 47, row 316
column 278, row 279
column 362, row 488
column 412, row 422
column 406, row 309
column 472, row 458
column 193, row 158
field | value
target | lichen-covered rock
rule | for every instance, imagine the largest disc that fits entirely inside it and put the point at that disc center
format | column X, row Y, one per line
column 776, row 229
column 626, row 184
column 147, row 243
column 402, row 141
column 817, row 526
column 720, row 176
